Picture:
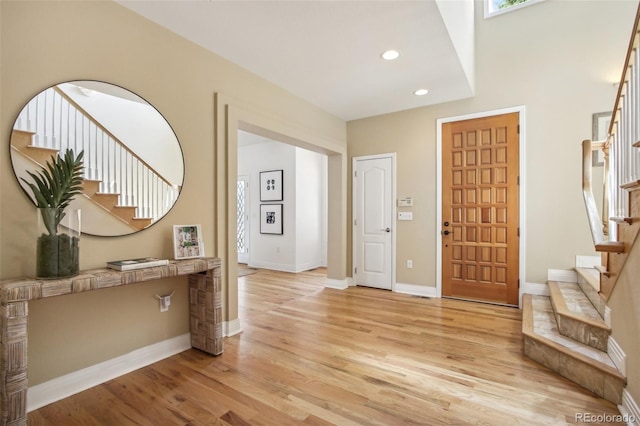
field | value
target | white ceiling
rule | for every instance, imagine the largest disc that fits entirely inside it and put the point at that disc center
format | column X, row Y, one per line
column 328, row 52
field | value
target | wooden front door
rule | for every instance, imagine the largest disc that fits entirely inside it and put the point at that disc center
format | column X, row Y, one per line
column 480, row 220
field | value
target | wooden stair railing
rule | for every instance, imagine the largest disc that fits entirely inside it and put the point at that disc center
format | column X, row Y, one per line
column 620, row 226
column 628, row 231
column 601, row 243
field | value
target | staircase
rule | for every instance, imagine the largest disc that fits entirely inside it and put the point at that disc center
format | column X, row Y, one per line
column 566, row 332
column 22, row 141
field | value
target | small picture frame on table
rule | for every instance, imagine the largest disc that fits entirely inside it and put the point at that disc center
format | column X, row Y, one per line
column 271, row 185
column 187, row 241
column 271, row 219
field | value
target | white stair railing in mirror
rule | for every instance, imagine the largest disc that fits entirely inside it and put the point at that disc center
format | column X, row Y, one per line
column 59, row 123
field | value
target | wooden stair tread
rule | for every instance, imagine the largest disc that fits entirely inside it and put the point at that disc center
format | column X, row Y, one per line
column 570, row 301
column 603, row 270
column 631, row 186
column 610, row 247
column 628, row 220
column 107, row 194
column 43, row 148
column 540, row 324
column 591, row 276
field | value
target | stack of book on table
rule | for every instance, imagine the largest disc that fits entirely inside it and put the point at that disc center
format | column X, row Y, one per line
column 131, row 264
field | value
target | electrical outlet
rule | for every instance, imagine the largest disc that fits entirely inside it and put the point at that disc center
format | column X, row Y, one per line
column 165, row 302
column 409, row 264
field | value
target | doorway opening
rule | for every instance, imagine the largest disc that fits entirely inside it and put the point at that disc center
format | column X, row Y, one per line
column 282, row 205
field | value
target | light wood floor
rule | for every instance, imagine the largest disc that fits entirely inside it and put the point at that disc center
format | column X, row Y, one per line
column 316, row 356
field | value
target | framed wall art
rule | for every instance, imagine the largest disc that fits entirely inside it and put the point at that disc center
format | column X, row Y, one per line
column 271, row 219
column 187, row 241
column 271, row 185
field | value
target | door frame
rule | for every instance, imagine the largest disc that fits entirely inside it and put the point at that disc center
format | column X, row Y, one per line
column 521, row 110
column 354, row 199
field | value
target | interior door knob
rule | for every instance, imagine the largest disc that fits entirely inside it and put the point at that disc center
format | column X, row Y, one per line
column 387, row 230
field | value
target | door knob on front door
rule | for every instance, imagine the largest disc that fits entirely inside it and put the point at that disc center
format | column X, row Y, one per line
column 445, row 232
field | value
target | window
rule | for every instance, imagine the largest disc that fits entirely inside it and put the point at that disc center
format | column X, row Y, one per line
column 498, row 7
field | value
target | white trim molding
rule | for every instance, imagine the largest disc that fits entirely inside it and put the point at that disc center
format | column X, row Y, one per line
column 617, row 355
column 629, row 409
column 231, row 328
column 78, row 381
column 588, row 261
column 337, row 284
column 607, row 316
column 416, row 290
column 562, row 275
column 537, row 289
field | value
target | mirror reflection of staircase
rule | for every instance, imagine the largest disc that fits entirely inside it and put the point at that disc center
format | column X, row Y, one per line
column 21, row 141
column 127, row 185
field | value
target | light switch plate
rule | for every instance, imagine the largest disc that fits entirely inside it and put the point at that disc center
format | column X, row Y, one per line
column 405, row 215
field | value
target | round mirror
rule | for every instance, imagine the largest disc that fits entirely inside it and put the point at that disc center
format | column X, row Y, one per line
column 133, row 164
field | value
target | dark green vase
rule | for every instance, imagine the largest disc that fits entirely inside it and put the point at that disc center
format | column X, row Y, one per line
column 58, row 246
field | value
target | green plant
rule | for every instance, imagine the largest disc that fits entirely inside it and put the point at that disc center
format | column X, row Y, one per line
column 56, row 186
column 508, row 3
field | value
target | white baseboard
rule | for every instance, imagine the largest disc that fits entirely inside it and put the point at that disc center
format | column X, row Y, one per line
column 337, row 284
column 535, row 288
column 231, row 328
column 617, row 355
column 287, row 267
column 588, row 261
column 629, row 409
column 562, row 275
column 415, row 290
column 78, row 381
column 607, row 316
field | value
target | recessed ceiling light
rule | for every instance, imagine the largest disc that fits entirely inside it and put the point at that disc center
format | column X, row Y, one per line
column 421, row 92
column 390, row 55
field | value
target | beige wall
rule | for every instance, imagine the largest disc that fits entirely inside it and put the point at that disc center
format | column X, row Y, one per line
column 44, row 43
column 562, row 69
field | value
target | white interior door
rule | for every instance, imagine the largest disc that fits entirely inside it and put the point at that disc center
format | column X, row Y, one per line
column 243, row 219
column 374, row 212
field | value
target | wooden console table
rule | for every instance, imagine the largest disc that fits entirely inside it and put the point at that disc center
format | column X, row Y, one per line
column 205, row 312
